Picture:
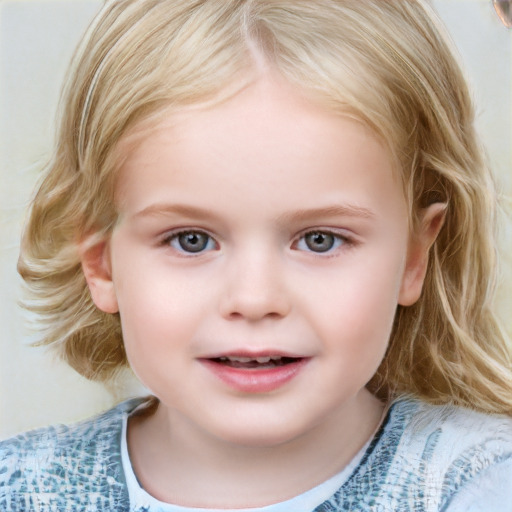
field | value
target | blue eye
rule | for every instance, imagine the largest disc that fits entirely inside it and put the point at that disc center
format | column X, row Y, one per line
column 320, row 241
column 191, row 242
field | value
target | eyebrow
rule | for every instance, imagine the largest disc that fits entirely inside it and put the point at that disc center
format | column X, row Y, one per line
column 338, row 210
column 184, row 210
column 194, row 212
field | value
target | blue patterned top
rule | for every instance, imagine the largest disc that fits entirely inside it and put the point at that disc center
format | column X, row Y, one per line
column 424, row 458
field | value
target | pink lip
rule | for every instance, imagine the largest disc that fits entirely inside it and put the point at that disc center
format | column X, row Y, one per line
column 254, row 380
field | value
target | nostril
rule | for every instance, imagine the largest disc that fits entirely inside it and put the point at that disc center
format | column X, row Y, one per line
column 255, row 314
column 255, row 290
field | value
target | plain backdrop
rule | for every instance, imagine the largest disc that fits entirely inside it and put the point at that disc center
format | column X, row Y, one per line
column 37, row 38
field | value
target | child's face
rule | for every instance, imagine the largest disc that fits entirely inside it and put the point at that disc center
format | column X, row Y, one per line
column 263, row 227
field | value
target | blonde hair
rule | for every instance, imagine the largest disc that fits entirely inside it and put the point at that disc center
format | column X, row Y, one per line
column 385, row 62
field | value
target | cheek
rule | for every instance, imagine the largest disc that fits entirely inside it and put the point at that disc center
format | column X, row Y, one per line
column 353, row 310
column 160, row 309
column 359, row 294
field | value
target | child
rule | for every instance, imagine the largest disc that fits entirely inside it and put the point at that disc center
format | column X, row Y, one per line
column 278, row 214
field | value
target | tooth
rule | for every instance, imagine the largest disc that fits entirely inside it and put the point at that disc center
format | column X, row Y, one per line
column 275, row 358
column 240, row 359
column 263, row 359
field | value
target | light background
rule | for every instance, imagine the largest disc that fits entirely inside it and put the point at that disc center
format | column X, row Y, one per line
column 37, row 38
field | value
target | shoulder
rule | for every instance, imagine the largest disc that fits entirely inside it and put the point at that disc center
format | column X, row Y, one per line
column 60, row 466
column 446, row 433
column 451, row 449
column 425, row 456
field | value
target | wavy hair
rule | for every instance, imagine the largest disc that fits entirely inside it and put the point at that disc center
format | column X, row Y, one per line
column 384, row 62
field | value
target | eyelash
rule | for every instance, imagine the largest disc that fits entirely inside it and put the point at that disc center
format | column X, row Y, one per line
column 340, row 242
column 301, row 243
column 175, row 237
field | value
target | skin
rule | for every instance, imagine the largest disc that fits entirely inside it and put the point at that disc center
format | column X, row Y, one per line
column 256, row 175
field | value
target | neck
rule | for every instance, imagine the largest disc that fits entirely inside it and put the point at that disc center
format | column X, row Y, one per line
column 178, row 462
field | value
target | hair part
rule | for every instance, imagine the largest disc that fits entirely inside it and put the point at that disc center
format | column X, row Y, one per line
column 384, row 62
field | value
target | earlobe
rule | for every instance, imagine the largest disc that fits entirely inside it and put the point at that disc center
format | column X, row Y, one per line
column 417, row 257
column 96, row 266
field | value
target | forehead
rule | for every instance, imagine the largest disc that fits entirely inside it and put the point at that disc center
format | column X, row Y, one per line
column 267, row 136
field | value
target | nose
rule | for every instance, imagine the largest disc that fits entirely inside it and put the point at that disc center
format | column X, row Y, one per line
column 255, row 289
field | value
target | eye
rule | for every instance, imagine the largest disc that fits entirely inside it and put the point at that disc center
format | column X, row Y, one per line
column 320, row 241
column 191, row 241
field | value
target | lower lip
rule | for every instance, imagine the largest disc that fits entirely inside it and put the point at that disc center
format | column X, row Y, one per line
column 253, row 380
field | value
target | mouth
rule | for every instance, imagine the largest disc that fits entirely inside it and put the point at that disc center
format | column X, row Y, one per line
column 255, row 373
column 255, row 363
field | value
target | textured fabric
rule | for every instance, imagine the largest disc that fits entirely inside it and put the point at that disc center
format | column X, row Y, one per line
column 62, row 468
column 423, row 459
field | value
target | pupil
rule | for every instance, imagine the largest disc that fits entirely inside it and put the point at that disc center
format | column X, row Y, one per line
column 193, row 242
column 319, row 242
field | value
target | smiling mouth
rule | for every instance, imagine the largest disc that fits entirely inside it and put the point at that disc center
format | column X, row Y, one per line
column 255, row 373
column 256, row 363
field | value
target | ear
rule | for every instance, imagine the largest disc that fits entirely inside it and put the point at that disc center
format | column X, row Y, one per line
column 97, row 269
column 431, row 222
